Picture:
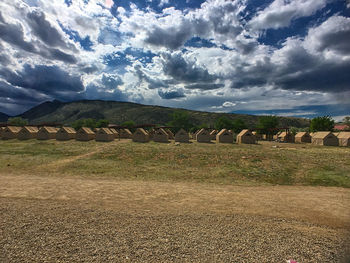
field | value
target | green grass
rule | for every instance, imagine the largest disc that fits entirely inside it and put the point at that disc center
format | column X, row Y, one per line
column 289, row 164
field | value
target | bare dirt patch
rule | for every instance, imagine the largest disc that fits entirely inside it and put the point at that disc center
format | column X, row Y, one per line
column 78, row 219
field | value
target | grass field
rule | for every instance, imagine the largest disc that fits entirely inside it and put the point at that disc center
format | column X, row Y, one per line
column 131, row 202
column 266, row 163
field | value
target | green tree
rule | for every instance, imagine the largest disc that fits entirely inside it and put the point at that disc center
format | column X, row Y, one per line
column 130, row 125
column 266, row 124
column 325, row 123
column 223, row 123
column 17, row 121
column 102, row 123
column 180, row 119
column 238, row 125
column 90, row 123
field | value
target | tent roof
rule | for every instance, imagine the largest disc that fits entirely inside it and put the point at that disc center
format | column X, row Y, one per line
column 322, row 134
column 86, row 130
column 223, row 131
column 161, row 130
column 202, row 131
column 344, row 135
column 243, row 132
column 301, row 134
column 141, row 130
column 104, row 131
column 213, row 132
column 68, row 130
column 13, row 128
column 31, row 129
column 49, row 129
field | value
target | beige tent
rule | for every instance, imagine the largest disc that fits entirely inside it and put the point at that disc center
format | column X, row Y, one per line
column 140, row 135
column 344, row 139
column 224, row 136
column 125, row 134
column 182, row 136
column 257, row 135
column 115, row 133
column 286, row 137
column 1, row 130
column 160, row 135
column 170, row 134
column 104, row 135
column 10, row 132
column 85, row 134
column 302, row 137
column 65, row 134
column 151, row 133
column 325, row 138
column 246, row 137
column 47, row 133
column 28, row 132
column 213, row 134
column 203, row 135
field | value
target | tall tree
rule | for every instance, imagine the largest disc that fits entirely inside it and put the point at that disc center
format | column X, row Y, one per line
column 238, row 125
column 267, row 123
column 17, row 121
column 180, row 119
column 325, row 123
column 223, row 123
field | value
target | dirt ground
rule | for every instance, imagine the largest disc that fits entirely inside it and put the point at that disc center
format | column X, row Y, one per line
column 79, row 219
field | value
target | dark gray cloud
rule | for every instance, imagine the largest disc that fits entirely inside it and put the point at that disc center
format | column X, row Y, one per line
column 171, row 94
column 178, row 68
column 172, row 37
column 44, row 30
column 50, row 80
column 153, row 83
column 111, row 82
column 204, row 86
column 14, row 35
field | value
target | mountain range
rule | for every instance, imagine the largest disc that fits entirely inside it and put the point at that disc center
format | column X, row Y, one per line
column 119, row 112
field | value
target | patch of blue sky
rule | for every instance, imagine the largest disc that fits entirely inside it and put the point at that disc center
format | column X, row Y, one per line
column 119, row 60
column 299, row 27
column 85, row 42
column 199, row 42
column 68, row 2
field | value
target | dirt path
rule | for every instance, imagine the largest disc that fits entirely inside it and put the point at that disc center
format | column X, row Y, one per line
column 98, row 149
column 95, row 220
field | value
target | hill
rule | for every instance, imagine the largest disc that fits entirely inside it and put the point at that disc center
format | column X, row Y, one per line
column 119, row 112
column 3, row 117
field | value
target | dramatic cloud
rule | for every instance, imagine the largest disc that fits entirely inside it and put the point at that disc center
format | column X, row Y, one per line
column 217, row 55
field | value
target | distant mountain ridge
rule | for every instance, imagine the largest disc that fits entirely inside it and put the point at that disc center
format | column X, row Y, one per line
column 119, row 112
column 3, row 117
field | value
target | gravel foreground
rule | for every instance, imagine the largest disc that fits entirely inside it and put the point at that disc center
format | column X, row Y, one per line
column 34, row 230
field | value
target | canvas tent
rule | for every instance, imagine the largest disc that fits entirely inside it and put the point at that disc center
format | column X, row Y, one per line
column 224, row 136
column 125, row 134
column 213, row 134
column 286, row 137
column 115, row 133
column 257, row 135
column 170, row 134
column 65, row 134
column 246, row 137
column 85, row 134
column 344, row 139
column 104, row 135
column 47, row 133
column 1, row 130
column 10, row 132
column 140, row 135
column 182, row 136
column 203, row 135
column 325, row 138
column 302, row 137
column 160, row 135
column 28, row 132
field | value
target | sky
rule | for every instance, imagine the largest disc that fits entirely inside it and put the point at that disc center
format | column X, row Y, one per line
column 279, row 57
